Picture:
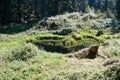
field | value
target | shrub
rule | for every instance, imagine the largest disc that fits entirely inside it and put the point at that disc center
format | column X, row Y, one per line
column 112, row 73
column 112, row 46
column 76, row 36
column 24, row 52
column 53, row 26
column 69, row 42
column 66, row 31
column 102, row 23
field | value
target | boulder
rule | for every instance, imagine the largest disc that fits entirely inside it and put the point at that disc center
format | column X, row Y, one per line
column 89, row 53
column 112, row 61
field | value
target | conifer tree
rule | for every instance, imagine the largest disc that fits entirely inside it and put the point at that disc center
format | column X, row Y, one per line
column 118, row 8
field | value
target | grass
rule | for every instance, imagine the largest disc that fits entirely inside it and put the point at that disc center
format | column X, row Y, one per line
column 14, row 40
column 44, row 65
column 49, row 66
column 30, row 68
column 22, row 60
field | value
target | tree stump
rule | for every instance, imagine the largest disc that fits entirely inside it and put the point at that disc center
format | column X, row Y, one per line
column 89, row 53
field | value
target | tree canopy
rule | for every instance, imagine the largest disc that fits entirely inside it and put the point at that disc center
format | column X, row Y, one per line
column 17, row 11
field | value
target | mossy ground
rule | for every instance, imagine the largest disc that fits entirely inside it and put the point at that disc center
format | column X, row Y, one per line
column 69, row 42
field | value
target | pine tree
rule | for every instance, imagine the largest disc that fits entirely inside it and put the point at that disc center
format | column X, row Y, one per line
column 5, row 12
column 83, row 5
column 19, row 11
column 91, row 3
column 75, row 5
column 25, row 10
column 118, row 8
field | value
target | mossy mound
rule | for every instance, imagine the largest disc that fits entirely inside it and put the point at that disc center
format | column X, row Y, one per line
column 66, row 43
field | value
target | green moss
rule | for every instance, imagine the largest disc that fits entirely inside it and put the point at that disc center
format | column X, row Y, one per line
column 67, row 42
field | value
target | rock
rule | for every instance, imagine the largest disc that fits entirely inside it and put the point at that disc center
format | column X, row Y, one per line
column 69, row 55
column 89, row 53
column 111, row 61
column 103, row 52
column 93, row 50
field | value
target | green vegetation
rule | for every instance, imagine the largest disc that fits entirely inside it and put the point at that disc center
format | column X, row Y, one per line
column 39, row 51
column 26, row 62
column 67, row 42
column 19, row 63
column 26, row 11
column 60, row 40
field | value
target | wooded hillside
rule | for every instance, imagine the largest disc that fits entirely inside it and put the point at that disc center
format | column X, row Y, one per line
column 17, row 11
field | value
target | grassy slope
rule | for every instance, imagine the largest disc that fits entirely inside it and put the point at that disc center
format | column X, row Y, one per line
column 51, row 66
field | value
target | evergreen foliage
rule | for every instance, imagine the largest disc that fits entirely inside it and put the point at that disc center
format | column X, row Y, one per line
column 118, row 8
column 17, row 11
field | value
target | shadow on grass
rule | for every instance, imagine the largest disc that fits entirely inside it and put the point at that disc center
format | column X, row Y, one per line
column 12, row 29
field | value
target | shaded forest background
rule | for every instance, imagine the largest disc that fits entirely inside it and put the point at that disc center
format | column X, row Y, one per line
column 24, row 11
